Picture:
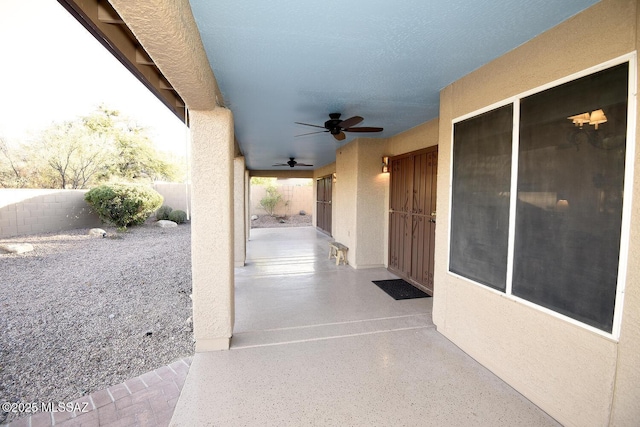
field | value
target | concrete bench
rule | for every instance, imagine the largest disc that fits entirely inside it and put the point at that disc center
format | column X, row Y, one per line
column 339, row 251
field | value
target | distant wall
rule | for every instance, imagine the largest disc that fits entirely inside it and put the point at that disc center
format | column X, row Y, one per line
column 24, row 212
column 299, row 197
column 175, row 195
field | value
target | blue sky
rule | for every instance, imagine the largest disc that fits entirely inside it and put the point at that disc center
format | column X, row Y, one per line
column 52, row 70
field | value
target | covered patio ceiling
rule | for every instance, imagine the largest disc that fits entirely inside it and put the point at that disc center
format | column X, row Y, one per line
column 283, row 62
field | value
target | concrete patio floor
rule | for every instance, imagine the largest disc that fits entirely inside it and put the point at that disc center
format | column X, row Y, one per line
column 319, row 344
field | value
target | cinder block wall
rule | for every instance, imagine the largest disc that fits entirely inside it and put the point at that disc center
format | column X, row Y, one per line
column 175, row 195
column 25, row 211
column 299, row 197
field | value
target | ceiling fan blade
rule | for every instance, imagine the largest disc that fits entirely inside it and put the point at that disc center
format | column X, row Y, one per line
column 364, row 129
column 302, row 164
column 311, row 133
column 352, row 121
column 280, row 164
column 340, row 136
column 307, row 124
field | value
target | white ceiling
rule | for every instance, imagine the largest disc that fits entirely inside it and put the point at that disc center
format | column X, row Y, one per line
column 286, row 61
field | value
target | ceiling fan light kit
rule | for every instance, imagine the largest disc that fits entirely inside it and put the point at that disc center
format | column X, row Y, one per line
column 337, row 127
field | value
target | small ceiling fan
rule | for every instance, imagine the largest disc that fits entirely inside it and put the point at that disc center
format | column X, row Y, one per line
column 292, row 163
column 338, row 127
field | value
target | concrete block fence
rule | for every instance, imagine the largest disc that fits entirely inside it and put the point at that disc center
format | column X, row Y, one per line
column 27, row 211
column 299, row 197
column 177, row 195
column 34, row 211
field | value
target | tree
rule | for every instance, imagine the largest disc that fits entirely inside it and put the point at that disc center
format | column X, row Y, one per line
column 92, row 149
column 263, row 181
column 135, row 158
column 138, row 159
column 70, row 155
column 12, row 169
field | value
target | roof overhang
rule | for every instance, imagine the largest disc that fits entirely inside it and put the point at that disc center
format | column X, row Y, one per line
column 104, row 23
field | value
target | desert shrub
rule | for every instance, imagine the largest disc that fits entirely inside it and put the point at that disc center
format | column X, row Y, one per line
column 123, row 204
column 271, row 200
column 178, row 216
column 163, row 212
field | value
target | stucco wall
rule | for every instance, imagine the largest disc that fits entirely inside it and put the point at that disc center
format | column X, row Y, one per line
column 345, row 196
column 360, row 211
column 24, row 212
column 370, row 206
column 417, row 138
column 567, row 370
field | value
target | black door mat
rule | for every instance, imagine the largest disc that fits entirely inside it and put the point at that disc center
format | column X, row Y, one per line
column 399, row 289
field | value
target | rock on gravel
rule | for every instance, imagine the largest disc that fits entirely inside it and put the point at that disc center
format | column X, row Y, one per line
column 165, row 223
column 75, row 312
column 15, row 248
column 97, row 232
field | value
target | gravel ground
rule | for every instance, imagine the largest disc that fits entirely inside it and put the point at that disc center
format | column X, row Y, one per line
column 82, row 313
column 266, row 221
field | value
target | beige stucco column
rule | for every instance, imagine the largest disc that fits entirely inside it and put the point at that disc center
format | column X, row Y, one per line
column 169, row 34
column 359, row 202
column 212, row 228
column 239, row 211
column 247, row 207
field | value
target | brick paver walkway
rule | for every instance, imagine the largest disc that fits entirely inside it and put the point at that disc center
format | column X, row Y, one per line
column 147, row 400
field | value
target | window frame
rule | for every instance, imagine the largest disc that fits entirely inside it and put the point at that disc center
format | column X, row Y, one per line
column 631, row 59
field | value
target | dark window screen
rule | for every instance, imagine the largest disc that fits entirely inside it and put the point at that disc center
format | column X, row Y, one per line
column 569, row 209
column 480, row 197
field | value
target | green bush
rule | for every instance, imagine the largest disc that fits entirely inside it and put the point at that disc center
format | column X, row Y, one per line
column 163, row 212
column 178, row 216
column 271, row 200
column 123, row 204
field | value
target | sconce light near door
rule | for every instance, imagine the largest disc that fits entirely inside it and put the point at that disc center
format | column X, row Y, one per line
column 334, row 177
column 385, row 164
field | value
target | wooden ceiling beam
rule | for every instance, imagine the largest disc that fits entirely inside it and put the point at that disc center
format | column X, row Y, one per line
column 104, row 23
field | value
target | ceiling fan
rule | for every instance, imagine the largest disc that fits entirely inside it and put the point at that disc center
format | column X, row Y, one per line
column 292, row 163
column 338, row 127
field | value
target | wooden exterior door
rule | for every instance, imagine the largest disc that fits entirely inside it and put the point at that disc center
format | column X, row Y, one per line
column 324, row 194
column 412, row 216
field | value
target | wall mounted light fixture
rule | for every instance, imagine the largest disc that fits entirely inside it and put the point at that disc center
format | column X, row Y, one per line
column 592, row 135
column 595, row 118
column 562, row 205
column 385, row 164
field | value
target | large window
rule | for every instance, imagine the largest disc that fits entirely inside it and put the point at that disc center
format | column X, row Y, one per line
column 480, row 204
column 567, row 209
